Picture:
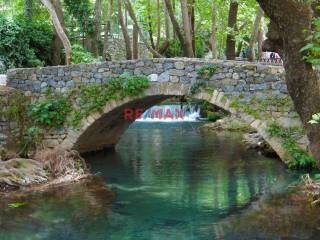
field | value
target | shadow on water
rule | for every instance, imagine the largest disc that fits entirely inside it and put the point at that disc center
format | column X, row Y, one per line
column 164, row 181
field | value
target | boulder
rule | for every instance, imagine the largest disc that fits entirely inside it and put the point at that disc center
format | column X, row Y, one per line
column 19, row 172
column 255, row 141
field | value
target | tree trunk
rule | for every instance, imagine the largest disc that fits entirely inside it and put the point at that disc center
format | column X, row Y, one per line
column 214, row 29
column 187, row 29
column 57, row 43
column 191, row 9
column 232, row 24
column 254, row 36
column 260, row 42
column 28, row 9
column 135, row 43
column 167, row 23
column 107, row 30
column 97, row 28
column 175, row 25
column 150, row 26
column 293, row 19
column 59, row 28
column 158, row 25
column 124, row 31
column 134, row 19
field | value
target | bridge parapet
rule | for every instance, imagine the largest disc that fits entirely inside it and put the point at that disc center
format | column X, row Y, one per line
column 230, row 77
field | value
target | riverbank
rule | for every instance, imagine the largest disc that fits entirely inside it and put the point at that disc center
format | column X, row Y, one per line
column 251, row 139
column 291, row 215
column 48, row 168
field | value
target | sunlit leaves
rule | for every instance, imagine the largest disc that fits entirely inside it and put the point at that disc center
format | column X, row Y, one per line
column 312, row 49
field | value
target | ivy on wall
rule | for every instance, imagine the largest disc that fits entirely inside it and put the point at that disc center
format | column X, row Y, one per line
column 56, row 111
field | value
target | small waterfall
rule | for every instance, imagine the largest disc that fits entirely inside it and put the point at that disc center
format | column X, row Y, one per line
column 171, row 113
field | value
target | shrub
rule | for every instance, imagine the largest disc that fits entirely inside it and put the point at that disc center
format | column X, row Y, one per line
column 312, row 49
column 207, row 71
column 60, row 162
column 80, row 55
column 24, row 43
column 214, row 116
column 50, row 112
column 300, row 158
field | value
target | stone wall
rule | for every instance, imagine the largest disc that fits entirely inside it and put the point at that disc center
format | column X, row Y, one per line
column 231, row 77
column 4, row 124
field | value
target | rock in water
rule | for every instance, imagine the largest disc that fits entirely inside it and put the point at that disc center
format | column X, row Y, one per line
column 19, row 172
column 255, row 141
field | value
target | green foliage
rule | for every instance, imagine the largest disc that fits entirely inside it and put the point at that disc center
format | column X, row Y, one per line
column 195, row 88
column 24, row 43
column 204, row 74
column 175, row 49
column 237, row 104
column 312, row 49
column 207, row 71
column 80, row 55
column 17, row 204
column 315, row 119
column 214, row 116
column 82, row 11
column 94, row 97
column 50, row 112
column 301, row 159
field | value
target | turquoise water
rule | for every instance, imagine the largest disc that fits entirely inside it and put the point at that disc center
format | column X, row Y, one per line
column 165, row 180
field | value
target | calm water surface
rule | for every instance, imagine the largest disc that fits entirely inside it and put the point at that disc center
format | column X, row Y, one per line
column 166, row 181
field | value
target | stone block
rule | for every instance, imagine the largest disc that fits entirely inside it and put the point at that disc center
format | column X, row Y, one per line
column 179, row 65
column 174, row 72
column 174, row 79
column 164, row 77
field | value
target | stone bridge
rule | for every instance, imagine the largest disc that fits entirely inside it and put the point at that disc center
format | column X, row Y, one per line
column 235, row 87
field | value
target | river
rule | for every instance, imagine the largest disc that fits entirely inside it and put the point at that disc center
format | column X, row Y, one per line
column 165, row 180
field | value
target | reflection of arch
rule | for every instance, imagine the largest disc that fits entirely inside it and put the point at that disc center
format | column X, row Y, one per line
column 104, row 129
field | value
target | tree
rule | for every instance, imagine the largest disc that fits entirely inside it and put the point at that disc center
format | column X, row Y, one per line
column 167, row 23
column 260, row 42
column 97, row 27
column 232, row 25
column 255, row 34
column 150, row 31
column 134, row 19
column 107, row 29
column 214, row 29
column 59, row 29
column 291, row 24
column 158, row 25
column 187, row 28
column 135, row 43
column 124, row 31
column 177, row 29
column 57, row 43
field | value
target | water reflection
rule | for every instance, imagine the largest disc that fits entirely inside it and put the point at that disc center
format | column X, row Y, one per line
column 168, row 181
column 173, row 176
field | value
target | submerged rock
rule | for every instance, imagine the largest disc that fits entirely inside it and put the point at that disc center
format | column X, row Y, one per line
column 19, row 172
column 255, row 141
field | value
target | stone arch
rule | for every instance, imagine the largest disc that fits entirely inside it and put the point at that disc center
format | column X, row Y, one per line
column 103, row 129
